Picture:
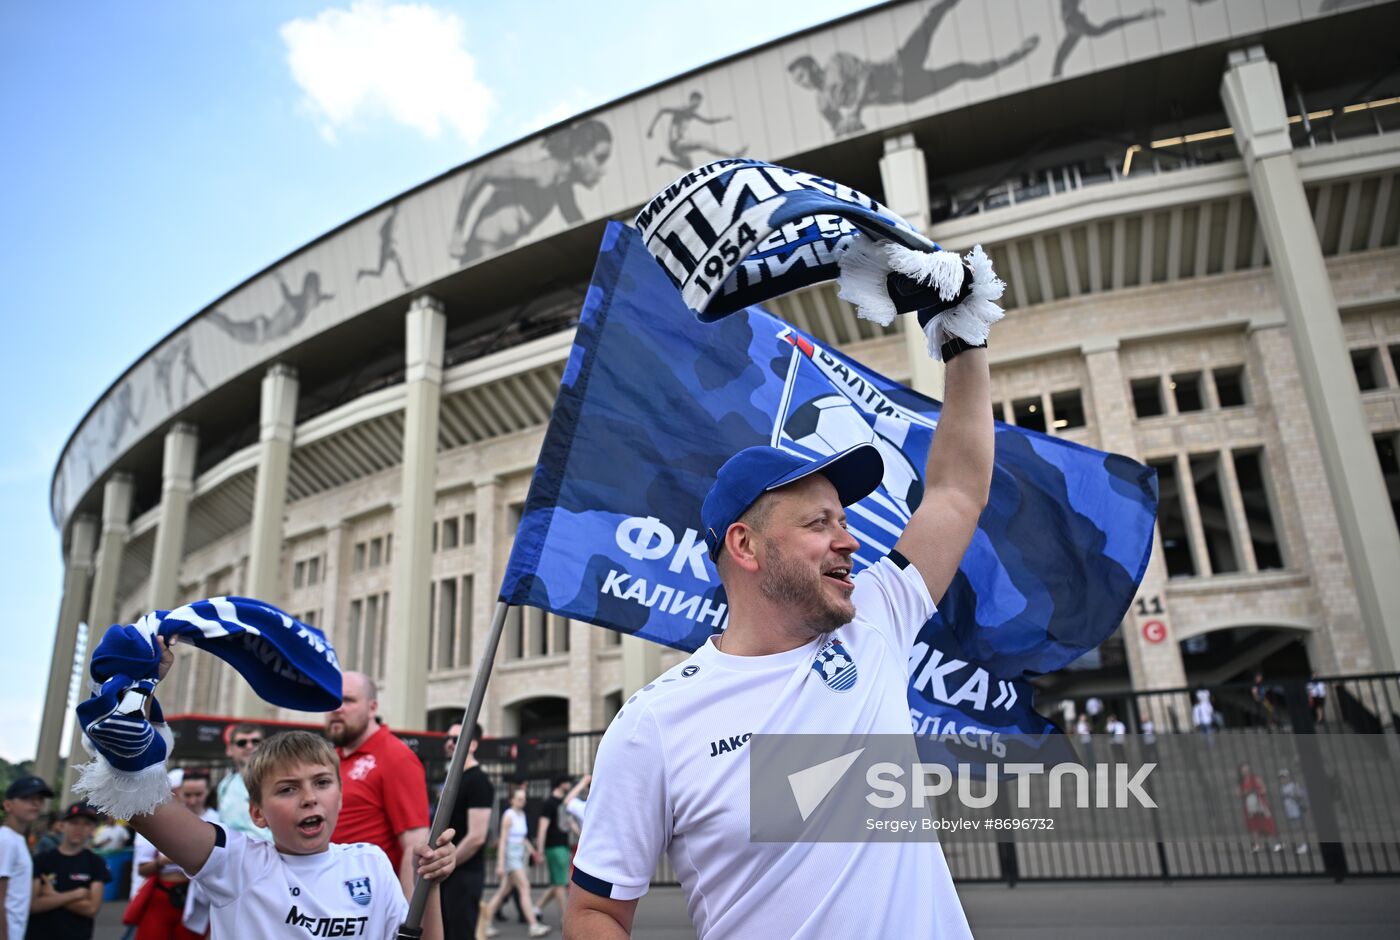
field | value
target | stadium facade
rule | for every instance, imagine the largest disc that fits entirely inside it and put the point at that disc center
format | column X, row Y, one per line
column 1194, row 204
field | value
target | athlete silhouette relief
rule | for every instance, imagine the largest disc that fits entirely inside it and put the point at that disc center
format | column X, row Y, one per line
column 124, row 413
column 1077, row 26
column 287, row 317
column 388, row 250
column 847, row 83
column 507, row 200
column 681, row 146
column 180, row 352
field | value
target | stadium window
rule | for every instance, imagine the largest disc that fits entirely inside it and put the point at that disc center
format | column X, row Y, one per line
column 313, row 571
column 464, row 645
column 1366, row 363
column 1186, row 387
column 432, row 623
column 383, row 633
column 435, row 537
column 1147, row 397
column 298, row 574
column 537, row 633
column 310, row 617
column 1171, row 521
column 1229, row 386
column 1258, row 514
column 1029, row 414
column 388, row 548
column 376, row 553
column 1387, row 446
column 370, row 635
column 1395, row 359
column 515, row 633
column 612, row 638
column 559, row 627
column 449, row 534
column 469, row 529
column 447, row 624
column 1068, row 408
column 352, row 635
column 1215, row 520
column 358, row 562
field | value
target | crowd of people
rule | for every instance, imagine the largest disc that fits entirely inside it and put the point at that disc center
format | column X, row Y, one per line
column 54, row 873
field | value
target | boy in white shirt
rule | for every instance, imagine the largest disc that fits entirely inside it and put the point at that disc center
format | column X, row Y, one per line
column 300, row 883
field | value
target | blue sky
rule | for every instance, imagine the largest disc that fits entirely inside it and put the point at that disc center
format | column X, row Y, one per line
column 157, row 154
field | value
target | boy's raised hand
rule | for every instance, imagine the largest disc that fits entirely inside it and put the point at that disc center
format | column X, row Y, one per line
column 435, row 864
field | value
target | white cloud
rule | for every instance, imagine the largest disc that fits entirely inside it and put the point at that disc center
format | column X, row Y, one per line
column 404, row 62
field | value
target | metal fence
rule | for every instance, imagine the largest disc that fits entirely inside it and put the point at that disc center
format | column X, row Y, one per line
column 1337, row 737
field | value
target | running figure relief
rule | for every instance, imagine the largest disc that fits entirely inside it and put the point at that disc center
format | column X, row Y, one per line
column 683, row 147
column 388, row 250
column 289, row 315
column 180, row 352
column 507, row 199
column 848, row 83
column 122, row 413
column 1077, row 26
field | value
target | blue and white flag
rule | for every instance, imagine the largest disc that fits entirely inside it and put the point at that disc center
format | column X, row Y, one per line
column 287, row 662
column 653, row 402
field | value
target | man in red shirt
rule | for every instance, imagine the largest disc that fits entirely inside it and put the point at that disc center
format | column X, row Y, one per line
column 385, row 791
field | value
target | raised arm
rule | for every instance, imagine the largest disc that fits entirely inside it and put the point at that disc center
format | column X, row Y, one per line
column 959, row 475
column 178, row 834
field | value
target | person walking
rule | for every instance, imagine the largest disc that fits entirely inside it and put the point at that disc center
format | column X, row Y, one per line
column 511, row 861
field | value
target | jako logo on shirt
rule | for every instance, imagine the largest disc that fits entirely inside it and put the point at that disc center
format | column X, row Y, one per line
column 359, row 890
column 362, row 767
column 835, row 665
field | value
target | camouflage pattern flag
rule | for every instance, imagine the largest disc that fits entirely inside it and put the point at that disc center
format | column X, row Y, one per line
column 653, row 402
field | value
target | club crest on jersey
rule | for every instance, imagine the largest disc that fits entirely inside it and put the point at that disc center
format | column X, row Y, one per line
column 359, row 891
column 835, row 665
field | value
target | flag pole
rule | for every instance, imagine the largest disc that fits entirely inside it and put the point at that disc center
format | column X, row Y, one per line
column 412, row 928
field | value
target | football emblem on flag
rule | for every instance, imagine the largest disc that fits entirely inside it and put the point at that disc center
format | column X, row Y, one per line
column 835, row 666
column 359, row 890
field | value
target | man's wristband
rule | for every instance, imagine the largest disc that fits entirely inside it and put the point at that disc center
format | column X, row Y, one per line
column 954, row 346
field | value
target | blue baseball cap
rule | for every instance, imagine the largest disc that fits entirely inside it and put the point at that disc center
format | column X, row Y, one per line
column 855, row 472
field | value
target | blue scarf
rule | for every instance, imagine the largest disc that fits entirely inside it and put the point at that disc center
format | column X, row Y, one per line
column 287, row 662
column 739, row 232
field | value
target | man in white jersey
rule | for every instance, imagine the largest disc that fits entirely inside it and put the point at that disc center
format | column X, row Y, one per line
column 808, row 650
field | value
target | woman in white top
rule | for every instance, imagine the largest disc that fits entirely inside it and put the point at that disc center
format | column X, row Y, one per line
column 511, row 853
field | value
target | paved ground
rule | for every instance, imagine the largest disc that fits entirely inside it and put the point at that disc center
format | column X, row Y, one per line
column 1278, row 909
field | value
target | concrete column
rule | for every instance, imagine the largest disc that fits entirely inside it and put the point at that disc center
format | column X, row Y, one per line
column 102, row 602
column 1254, row 102
column 278, row 412
column 904, row 176
column 77, row 569
column 177, row 485
column 1151, row 665
column 404, row 698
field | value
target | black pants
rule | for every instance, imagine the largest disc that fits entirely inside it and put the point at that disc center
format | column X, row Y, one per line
column 460, row 896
